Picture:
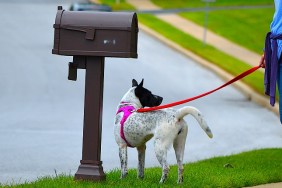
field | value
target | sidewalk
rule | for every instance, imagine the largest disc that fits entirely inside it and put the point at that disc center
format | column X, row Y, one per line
column 271, row 185
column 212, row 39
column 196, row 31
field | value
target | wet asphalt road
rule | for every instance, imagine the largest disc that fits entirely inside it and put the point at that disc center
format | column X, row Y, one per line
column 41, row 112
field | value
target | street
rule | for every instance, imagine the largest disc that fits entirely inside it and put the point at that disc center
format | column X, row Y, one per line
column 41, row 111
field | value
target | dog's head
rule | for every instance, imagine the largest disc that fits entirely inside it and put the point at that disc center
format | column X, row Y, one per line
column 145, row 96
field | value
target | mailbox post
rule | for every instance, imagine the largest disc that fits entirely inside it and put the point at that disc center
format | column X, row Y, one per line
column 91, row 165
column 90, row 37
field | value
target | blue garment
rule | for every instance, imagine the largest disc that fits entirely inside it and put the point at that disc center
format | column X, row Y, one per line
column 276, row 29
column 271, row 65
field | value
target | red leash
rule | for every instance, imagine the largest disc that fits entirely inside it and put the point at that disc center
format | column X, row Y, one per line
column 242, row 75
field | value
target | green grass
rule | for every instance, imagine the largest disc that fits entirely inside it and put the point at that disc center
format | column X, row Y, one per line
column 244, row 27
column 246, row 169
column 199, row 3
column 222, row 60
column 118, row 6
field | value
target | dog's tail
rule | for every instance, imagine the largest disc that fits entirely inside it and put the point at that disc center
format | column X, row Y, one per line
column 197, row 115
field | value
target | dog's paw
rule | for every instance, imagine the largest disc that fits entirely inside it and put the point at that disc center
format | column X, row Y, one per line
column 163, row 179
column 180, row 175
column 180, row 180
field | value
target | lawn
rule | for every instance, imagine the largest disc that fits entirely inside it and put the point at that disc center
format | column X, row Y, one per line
column 245, row 27
column 118, row 6
column 240, row 170
column 222, row 60
column 199, row 3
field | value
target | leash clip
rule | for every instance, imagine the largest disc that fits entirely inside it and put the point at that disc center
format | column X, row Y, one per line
column 133, row 111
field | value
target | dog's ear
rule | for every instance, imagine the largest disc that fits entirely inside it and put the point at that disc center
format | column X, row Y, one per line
column 141, row 83
column 134, row 83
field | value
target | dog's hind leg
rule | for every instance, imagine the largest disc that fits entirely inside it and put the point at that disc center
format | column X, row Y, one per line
column 179, row 146
column 141, row 161
column 161, row 154
column 123, row 160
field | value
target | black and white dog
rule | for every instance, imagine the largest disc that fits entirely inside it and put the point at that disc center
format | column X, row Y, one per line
column 167, row 126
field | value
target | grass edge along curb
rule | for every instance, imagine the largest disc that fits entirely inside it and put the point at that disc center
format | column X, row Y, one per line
column 208, row 52
column 222, row 64
column 240, row 170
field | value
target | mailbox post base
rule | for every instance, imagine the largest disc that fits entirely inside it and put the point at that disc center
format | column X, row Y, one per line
column 90, row 172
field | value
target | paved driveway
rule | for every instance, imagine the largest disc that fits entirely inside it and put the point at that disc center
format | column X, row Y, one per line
column 41, row 112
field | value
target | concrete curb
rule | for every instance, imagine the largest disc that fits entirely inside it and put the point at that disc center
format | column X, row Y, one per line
column 245, row 89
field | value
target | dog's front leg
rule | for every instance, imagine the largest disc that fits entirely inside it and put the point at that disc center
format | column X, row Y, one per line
column 141, row 160
column 123, row 160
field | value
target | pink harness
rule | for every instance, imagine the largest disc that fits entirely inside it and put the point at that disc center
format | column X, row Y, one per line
column 127, row 111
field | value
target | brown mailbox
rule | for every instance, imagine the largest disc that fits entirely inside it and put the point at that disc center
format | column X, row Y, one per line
column 85, row 33
column 90, row 37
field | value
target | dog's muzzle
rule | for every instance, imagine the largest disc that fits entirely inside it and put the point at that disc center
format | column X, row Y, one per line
column 158, row 100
